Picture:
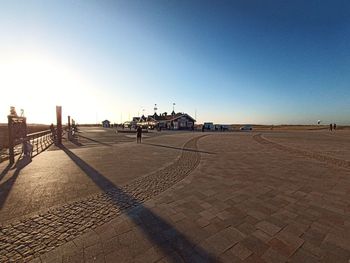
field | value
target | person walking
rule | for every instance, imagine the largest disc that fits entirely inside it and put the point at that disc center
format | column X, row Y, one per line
column 139, row 134
column 334, row 126
column 331, row 127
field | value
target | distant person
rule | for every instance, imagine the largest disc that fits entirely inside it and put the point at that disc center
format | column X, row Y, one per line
column 331, row 127
column 334, row 126
column 139, row 134
column 203, row 128
column 27, row 149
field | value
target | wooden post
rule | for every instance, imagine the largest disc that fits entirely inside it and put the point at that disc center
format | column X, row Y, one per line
column 69, row 132
column 59, row 124
column 11, row 140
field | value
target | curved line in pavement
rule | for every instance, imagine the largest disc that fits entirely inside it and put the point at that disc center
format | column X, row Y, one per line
column 33, row 236
column 312, row 155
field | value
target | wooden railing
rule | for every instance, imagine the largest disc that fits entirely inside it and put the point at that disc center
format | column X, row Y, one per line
column 38, row 140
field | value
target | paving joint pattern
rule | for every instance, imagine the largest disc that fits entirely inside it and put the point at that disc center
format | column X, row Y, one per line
column 33, row 236
column 312, row 155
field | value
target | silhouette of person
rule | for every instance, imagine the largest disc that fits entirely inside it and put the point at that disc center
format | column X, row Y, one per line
column 330, row 127
column 334, row 126
column 139, row 134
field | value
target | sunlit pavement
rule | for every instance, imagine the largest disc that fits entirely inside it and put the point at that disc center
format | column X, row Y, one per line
column 229, row 197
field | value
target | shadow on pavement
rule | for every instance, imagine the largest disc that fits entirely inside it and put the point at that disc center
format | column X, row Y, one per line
column 162, row 234
column 105, row 144
column 5, row 171
column 178, row 148
column 5, row 188
column 76, row 142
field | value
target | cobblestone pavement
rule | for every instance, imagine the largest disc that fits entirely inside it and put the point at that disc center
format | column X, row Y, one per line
column 35, row 235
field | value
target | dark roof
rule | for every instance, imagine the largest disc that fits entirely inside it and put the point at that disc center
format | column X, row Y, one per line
column 173, row 117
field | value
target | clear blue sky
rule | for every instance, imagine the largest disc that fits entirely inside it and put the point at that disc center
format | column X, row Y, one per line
column 265, row 62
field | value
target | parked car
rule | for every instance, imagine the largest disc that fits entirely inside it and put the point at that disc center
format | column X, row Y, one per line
column 130, row 125
column 208, row 126
column 221, row 127
column 246, row 128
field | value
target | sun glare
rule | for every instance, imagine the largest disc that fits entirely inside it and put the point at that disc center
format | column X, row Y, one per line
column 37, row 84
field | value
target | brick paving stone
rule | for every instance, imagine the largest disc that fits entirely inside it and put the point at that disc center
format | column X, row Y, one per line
column 257, row 214
column 313, row 236
column 178, row 217
column 277, row 222
column 272, row 256
column 338, row 240
column 255, row 245
column 202, row 222
column 292, row 241
column 303, row 256
column 281, row 247
column 120, row 255
column 208, row 215
column 241, row 251
column 123, row 226
column 108, row 245
column 100, row 258
column 333, row 257
column 268, row 227
column 254, row 259
column 229, row 257
column 251, row 220
column 224, row 215
column 262, row 236
column 333, row 249
column 151, row 255
column 216, row 244
column 221, row 224
column 232, row 234
column 73, row 257
column 313, row 249
column 246, row 228
column 296, row 229
column 92, row 252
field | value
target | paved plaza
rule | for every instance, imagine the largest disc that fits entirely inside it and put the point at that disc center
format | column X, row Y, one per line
column 267, row 196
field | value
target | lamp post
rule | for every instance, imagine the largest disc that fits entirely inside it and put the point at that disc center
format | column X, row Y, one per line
column 59, row 124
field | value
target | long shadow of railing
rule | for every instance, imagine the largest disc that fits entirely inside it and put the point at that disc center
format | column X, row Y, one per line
column 169, row 242
column 102, row 143
column 5, row 188
column 5, row 171
column 177, row 148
